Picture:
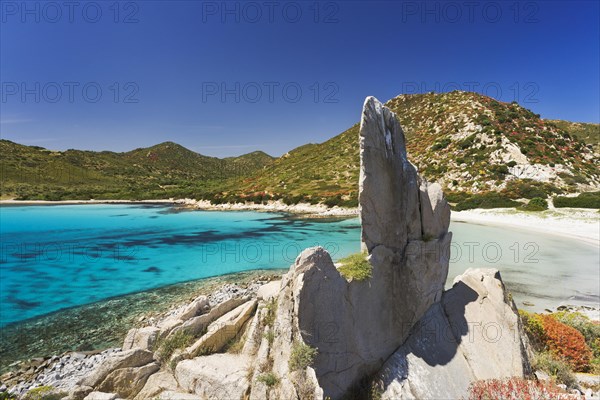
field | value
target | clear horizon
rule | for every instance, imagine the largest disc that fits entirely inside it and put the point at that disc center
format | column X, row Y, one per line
column 228, row 78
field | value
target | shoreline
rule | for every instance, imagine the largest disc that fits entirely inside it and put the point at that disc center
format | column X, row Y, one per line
column 103, row 324
column 574, row 223
column 13, row 202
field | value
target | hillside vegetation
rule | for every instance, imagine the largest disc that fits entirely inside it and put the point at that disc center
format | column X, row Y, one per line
column 589, row 133
column 467, row 142
column 480, row 150
column 161, row 171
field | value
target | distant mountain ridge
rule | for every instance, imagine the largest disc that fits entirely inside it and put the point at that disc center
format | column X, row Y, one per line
column 32, row 172
column 468, row 142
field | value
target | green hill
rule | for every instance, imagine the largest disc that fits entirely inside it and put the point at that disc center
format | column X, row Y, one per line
column 589, row 133
column 467, row 142
column 161, row 171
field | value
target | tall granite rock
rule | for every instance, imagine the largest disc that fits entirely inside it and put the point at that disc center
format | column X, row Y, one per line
column 357, row 325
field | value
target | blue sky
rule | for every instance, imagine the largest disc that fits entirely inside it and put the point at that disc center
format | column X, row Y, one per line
column 276, row 75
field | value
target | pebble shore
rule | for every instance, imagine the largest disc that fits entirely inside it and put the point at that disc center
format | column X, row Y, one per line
column 62, row 372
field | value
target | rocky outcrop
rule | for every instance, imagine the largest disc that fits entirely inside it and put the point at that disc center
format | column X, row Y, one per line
column 158, row 383
column 357, row 325
column 473, row 333
column 221, row 331
column 126, row 359
column 143, row 338
column 102, row 396
column 127, row 382
column 217, row 376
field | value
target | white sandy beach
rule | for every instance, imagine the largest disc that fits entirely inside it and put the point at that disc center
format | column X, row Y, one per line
column 581, row 224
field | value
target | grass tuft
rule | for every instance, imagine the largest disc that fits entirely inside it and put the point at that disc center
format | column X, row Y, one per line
column 302, row 356
column 166, row 347
column 269, row 379
column 355, row 267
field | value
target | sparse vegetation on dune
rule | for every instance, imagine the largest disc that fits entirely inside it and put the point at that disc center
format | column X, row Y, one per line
column 583, row 200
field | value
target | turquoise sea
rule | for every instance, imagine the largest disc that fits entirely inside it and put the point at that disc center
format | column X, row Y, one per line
column 61, row 256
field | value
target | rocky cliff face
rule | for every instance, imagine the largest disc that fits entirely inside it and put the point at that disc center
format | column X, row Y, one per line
column 316, row 334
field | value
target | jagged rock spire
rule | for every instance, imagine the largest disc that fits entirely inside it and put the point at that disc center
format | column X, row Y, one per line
column 357, row 325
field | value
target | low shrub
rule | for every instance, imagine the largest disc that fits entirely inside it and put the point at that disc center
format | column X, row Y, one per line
column 269, row 379
column 529, row 189
column 44, row 393
column 467, row 142
column 269, row 317
column 535, row 204
column 456, row 197
column 270, row 336
column 350, row 203
column 486, row 200
column 515, row 388
column 558, row 369
column 583, row 200
column 441, row 144
column 355, row 267
column 567, row 342
column 498, row 170
column 534, row 328
column 166, row 347
column 302, row 356
column 333, row 201
column 589, row 330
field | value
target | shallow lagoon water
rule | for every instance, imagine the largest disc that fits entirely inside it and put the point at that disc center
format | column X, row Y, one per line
column 56, row 257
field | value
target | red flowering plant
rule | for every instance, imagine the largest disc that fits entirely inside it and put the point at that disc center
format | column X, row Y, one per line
column 567, row 343
column 517, row 389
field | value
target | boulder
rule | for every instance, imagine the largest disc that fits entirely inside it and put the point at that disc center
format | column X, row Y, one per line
column 268, row 291
column 473, row 333
column 79, row 392
column 435, row 212
column 172, row 395
column 142, row 338
column 388, row 183
column 217, row 376
column 168, row 325
column 195, row 308
column 254, row 333
column 125, row 359
column 156, row 384
column 101, row 396
column 221, row 331
column 196, row 325
column 127, row 382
